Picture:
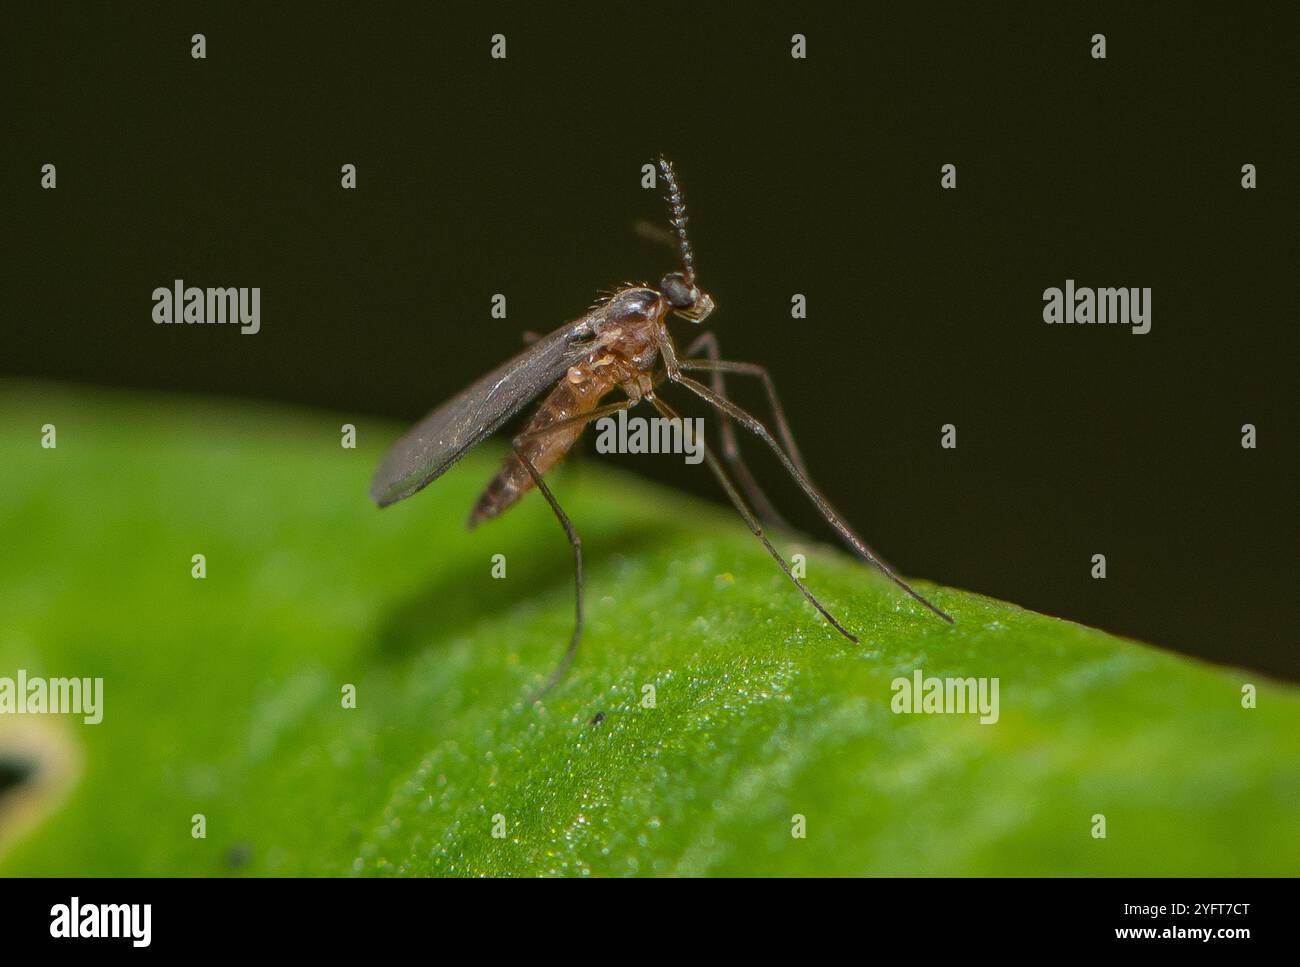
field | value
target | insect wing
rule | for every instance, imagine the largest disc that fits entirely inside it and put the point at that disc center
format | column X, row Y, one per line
column 435, row 443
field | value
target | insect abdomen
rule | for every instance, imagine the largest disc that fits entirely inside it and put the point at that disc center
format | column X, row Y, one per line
column 579, row 392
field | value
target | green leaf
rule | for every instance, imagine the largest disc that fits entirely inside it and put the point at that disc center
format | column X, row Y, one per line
column 222, row 696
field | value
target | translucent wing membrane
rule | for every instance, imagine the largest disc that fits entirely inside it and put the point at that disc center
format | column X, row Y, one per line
column 444, row 436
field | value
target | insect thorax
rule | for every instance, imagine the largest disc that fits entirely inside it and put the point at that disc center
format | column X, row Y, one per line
column 629, row 327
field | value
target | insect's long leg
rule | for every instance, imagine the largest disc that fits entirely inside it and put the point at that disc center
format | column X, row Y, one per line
column 749, row 422
column 753, row 523
column 718, row 366
column 708, row 341
column 580, row 420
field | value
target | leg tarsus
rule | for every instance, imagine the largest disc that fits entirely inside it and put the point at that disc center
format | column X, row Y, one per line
column 576, row 542
column 754, row 527
column 569, row 531
column 755, row 426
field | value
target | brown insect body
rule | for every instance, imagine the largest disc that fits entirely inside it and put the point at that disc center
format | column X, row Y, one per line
column 623, row 344
column 630, row 329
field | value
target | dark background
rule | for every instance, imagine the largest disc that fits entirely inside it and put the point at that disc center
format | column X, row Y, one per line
column 819, row 176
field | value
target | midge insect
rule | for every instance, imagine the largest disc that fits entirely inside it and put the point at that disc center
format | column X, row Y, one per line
column 621, row 344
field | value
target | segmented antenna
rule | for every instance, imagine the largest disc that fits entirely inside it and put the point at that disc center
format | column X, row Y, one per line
column 677, row 216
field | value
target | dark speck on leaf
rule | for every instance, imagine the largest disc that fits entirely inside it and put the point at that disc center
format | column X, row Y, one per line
column 598, row 718
column 238, row 855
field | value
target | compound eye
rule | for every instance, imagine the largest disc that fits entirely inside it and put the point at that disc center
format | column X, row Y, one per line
column 679, row 293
